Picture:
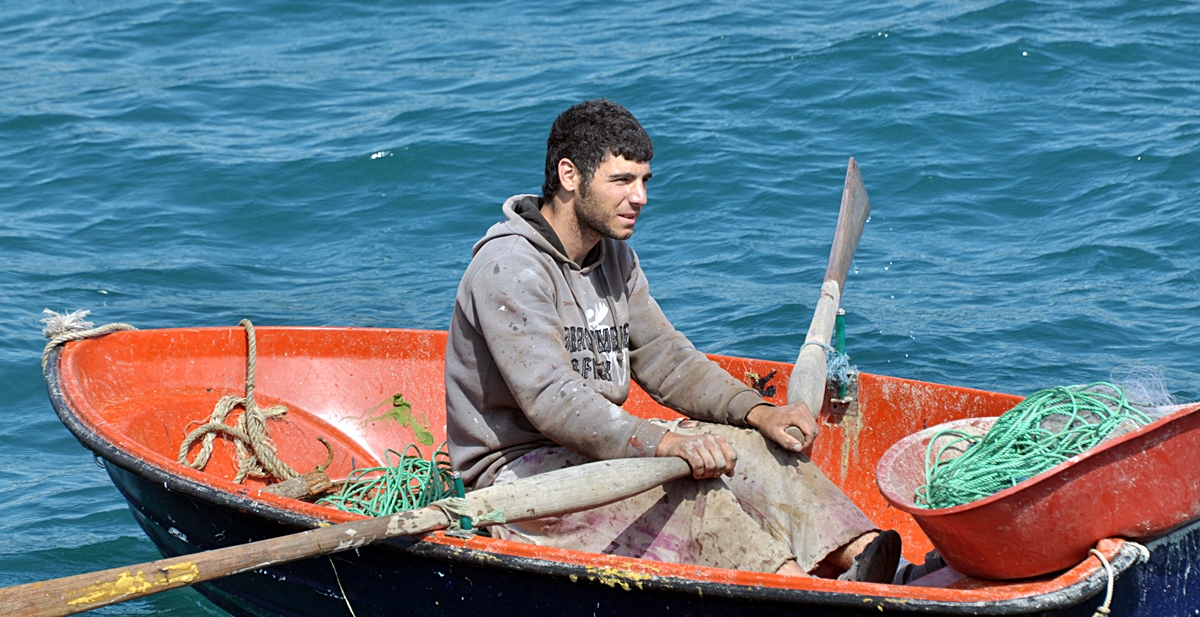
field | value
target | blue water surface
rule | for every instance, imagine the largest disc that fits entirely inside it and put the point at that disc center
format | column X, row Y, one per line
column 1033, row 166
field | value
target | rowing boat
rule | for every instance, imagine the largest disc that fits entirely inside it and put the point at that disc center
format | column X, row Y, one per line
column 131, row 397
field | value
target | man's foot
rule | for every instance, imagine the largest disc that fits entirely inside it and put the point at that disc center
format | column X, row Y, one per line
column 877, row 562
column 911, row 572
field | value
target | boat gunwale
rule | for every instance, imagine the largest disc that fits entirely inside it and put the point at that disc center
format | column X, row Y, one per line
column 1085, row 581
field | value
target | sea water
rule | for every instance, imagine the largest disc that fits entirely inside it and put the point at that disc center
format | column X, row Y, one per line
column 1033, row 167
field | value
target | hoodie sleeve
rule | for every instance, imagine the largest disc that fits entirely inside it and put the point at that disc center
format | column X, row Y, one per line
column 673, row 372
column 524, row 333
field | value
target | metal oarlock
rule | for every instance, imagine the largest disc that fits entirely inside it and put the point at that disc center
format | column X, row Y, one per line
column 461, row 492
column 839, row 343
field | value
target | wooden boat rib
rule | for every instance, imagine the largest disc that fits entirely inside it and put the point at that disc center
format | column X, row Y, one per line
column 131, row 397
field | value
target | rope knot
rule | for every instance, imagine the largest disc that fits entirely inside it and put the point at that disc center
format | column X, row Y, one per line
column 838, row 367
column 67, row 327
column 457, row 507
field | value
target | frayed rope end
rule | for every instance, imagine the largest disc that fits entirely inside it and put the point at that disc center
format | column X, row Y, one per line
column 57, row 324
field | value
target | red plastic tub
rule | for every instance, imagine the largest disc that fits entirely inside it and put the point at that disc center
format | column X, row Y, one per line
column 1138, row 485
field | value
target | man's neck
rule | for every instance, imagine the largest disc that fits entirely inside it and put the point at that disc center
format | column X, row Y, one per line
column 576, row 239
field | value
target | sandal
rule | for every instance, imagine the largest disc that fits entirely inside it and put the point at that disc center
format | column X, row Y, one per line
column 877, row 562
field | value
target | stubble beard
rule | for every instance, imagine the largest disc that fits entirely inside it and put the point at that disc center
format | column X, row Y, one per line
column 591, row 216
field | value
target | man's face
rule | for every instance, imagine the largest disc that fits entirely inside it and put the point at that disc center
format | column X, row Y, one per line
column 613, row 198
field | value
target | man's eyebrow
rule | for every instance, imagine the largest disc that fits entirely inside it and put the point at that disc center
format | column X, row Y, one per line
column 629, row 176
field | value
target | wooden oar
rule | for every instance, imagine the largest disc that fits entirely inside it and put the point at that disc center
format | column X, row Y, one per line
column 807, row 384
column 548, row 494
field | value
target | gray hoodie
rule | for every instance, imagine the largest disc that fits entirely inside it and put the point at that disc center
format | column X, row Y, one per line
column 542, row 349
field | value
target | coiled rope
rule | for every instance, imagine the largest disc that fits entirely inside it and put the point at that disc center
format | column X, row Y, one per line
column 256, row 454
column 1047, row 428
column 410, row 482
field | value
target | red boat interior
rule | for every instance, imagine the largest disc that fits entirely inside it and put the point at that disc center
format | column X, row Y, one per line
column 145, row 390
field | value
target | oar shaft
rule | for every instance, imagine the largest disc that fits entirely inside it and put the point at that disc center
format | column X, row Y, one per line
column 550, row 494
column 576, row 488
column 811, row 365
column 75, row 594
column 807, row 383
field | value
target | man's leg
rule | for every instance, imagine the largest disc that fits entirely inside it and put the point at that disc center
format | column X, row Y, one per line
column 790, row 498
column 685, row 521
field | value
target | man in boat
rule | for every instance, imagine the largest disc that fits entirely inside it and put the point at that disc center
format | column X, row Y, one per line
column 554, row 317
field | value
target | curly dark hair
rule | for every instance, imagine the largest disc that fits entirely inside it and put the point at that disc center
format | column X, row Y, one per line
column 588, row 132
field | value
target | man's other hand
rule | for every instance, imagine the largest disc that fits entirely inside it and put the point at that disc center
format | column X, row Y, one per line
column 773, row 421
column 708, row 455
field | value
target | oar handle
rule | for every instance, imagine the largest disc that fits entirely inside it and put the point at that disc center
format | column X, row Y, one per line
column 549, row 494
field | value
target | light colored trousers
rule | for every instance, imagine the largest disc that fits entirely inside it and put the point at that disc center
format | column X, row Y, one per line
column 777, row 506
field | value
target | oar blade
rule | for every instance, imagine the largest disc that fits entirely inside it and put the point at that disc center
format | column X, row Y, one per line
column 856, row 208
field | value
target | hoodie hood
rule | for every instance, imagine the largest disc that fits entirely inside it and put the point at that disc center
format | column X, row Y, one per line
column 518, row 210
column 523, row 217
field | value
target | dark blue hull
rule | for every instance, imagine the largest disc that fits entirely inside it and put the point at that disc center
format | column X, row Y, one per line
column 419, row 578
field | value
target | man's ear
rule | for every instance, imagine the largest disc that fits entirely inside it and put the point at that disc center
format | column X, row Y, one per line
column 569, row 176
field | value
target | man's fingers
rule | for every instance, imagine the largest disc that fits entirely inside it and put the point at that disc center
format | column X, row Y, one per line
column 791, row 426
column 802, row 429
column 714, row 456
column 792, row 439
column 708, row 455
column 698, row 457
column 730, row 458
column 715, row 451
column 800, row 418
column 707, row 461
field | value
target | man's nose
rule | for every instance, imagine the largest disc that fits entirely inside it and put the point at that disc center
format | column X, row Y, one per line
column 638, row 195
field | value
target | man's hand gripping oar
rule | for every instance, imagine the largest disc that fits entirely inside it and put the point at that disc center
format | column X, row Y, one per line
column 793, row 426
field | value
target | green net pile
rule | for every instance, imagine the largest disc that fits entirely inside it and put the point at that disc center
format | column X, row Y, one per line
column 411, row 482
column 1047, row 428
